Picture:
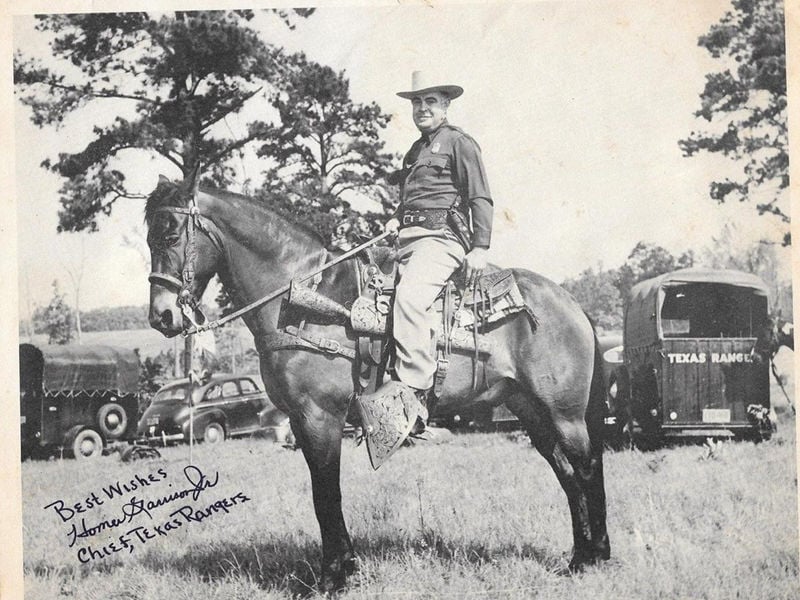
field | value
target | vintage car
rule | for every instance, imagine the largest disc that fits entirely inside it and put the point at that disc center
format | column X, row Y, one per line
column 690, row 362
column 217, row 408
column 76, row 399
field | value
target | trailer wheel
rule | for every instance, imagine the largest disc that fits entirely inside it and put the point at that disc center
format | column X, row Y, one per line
column 112, row 420
column 87, row 443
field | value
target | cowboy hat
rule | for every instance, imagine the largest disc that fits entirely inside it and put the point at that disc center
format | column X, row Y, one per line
column 421, row 83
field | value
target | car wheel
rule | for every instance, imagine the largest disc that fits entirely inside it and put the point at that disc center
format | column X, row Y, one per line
column 214, row 433
column 112, row 420
column 87, row 444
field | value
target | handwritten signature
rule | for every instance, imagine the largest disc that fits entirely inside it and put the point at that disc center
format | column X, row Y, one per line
column 140, row 535
column 135, row 506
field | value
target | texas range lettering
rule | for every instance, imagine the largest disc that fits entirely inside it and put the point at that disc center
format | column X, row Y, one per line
column 702, row 357
column 135, row 506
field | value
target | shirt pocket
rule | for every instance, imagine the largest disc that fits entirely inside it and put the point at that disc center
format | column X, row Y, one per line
column 437, row 162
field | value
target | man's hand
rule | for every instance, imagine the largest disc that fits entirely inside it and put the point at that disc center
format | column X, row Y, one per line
column 392, row 227
column 474, row 264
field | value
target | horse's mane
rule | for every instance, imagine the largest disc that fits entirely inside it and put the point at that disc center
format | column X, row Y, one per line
column 175, row 193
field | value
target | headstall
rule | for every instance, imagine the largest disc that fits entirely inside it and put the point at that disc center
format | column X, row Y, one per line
column 194, row 221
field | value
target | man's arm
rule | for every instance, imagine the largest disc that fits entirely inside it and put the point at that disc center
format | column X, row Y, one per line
column 474, row 188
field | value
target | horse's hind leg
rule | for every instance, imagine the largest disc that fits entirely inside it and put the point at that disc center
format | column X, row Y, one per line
column 567, row 449
column 320, row 437
column 594, row 484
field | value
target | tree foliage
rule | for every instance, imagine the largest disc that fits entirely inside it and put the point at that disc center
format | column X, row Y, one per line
column 727, row 251
column 746, row 103
column 648, row 260
column 326, row 148
column 602, row 293
column 154, row 372
column 57, row 318
column 235, row 353
column 598, row 296
column 181, row 73
column 115, row 318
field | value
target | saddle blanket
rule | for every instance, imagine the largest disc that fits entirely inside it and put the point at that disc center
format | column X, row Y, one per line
column 496, row 297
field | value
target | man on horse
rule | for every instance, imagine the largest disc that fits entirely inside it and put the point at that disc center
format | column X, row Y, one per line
column 442, row 185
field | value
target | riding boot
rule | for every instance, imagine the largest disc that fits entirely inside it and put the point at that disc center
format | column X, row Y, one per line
column 422, row 418
column 388, row 416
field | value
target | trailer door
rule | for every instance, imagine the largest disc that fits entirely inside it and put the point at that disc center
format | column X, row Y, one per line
column 711, row 381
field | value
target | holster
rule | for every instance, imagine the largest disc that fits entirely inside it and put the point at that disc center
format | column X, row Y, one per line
column 458, row 223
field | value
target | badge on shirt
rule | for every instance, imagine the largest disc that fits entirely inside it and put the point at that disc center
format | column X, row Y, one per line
column 435, row 147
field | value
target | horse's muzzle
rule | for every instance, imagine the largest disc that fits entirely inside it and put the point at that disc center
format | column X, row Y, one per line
column 165, row 314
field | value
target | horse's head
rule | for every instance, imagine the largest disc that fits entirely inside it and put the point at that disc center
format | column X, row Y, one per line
column 776, row 333
column 185, row 251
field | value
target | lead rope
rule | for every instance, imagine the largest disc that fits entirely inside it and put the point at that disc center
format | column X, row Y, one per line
column 780, row 383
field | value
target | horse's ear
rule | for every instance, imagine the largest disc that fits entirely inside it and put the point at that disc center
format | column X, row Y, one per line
column 162, row 180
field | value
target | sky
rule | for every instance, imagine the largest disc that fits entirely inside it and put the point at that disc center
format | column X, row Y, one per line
column 578, row 108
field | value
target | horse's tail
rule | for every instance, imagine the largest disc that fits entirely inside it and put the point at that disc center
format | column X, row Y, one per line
column 596, row 408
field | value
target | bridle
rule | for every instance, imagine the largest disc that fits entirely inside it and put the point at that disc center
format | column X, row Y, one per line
column 187, row 301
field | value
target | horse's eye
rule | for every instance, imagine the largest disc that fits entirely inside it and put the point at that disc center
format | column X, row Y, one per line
column 164, row 242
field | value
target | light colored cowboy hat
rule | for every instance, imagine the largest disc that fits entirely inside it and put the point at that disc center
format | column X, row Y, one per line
column 422, row 83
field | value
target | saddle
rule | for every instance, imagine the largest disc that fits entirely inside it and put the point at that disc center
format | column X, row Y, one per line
column 465, row 315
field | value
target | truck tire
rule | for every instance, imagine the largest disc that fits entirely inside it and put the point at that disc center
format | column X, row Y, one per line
column 87, row 443
column 112, row 420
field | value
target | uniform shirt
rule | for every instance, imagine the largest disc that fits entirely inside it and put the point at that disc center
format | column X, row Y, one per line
column 445, row 168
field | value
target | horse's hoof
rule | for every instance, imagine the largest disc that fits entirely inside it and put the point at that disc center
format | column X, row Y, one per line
column 579, row 563
column 604, row 554
column 576, row 566
column 562, row 572
column 334, row 578
column 331, row 585
column 349, row 565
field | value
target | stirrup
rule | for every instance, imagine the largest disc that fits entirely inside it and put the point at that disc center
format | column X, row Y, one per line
column 388, row 416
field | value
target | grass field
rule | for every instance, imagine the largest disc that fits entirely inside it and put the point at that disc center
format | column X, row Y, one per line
column 475, row 516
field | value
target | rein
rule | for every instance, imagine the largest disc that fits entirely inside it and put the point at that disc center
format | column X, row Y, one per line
column 186, row 300
column 196, row 328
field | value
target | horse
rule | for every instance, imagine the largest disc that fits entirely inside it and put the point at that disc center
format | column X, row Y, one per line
column 775, row 333
column 550, row 376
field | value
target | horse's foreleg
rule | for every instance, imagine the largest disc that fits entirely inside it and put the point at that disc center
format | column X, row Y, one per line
column 320, row 438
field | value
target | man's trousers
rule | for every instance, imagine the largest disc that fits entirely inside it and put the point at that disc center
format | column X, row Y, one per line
column 426, row 260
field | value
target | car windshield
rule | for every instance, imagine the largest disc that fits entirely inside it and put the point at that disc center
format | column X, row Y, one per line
column 170, row 395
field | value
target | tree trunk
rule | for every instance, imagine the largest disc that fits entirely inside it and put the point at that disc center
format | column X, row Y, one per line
column 78, row 314
column 177, row 353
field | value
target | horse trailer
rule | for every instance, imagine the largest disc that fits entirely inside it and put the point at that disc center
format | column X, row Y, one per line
column 690, row 365
column 76, row 398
